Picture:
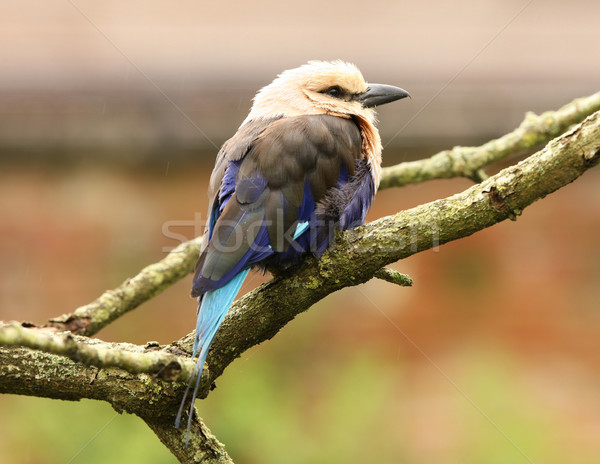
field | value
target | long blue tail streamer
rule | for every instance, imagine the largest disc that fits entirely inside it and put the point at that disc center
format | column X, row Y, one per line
column 214, row 305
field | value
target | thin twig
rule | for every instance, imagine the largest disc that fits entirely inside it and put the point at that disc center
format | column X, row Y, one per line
column 131, row 358
column 394, row 277
column 468, row 161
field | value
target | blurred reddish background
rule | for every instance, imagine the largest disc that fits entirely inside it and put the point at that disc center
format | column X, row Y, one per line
column 110, row 116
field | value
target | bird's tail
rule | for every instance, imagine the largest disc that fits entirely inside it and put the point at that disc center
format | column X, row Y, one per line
column 213, row 307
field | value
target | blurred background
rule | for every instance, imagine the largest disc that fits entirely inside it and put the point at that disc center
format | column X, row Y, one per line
column 111, row 115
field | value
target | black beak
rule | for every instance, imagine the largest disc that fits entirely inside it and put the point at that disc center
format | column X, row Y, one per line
column 379, row 94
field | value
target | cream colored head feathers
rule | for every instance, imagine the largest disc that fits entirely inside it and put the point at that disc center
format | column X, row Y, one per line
column 302, row 90
column 331, row 88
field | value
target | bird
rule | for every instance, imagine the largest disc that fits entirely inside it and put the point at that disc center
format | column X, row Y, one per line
column 304, row 163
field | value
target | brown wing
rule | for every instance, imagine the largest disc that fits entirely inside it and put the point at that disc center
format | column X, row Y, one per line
column 293, row 153
column 264, row 183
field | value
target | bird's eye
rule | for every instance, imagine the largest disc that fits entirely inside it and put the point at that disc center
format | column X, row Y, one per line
column 334, row 91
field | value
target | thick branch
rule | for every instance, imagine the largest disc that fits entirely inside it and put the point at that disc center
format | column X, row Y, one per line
column 203, row 446
column 45, row 374
column 469, row 161
column 125, row 391
column 31, row 372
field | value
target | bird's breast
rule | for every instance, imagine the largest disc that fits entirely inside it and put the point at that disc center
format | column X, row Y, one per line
column 371, row 147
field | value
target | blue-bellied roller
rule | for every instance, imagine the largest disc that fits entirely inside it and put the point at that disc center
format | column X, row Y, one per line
column 305, row 162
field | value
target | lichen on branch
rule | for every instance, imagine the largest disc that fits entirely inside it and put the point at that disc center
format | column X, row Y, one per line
column 469, row 161
column 131, row 358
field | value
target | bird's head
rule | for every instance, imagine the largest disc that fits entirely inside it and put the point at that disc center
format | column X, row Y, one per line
column 322, row 87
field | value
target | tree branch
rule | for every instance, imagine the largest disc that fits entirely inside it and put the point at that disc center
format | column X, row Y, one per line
column 153, row 398
column 131, row 358
column 469, row 161
column 203, row 446
column 394, row 277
